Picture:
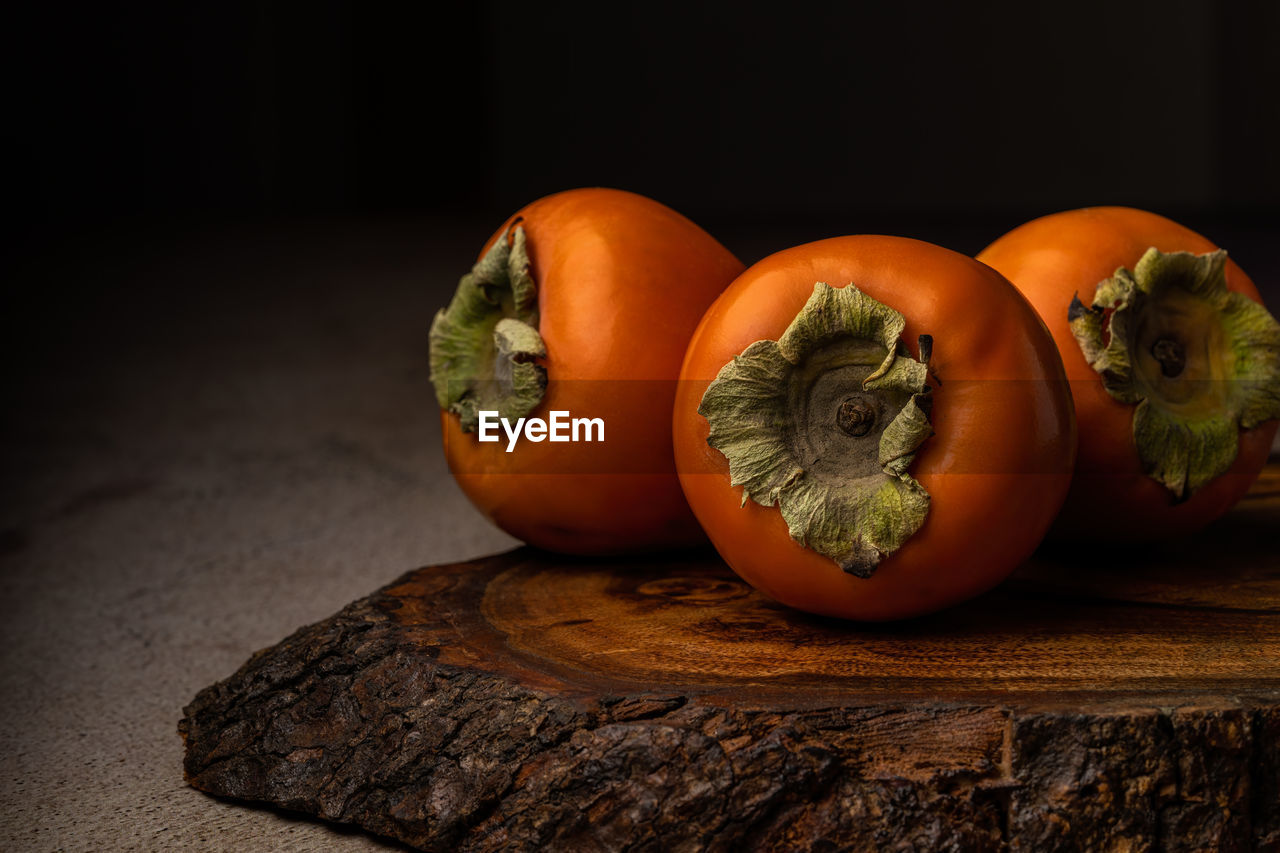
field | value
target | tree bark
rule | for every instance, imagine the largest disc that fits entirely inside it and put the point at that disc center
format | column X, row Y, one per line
column 528, row 701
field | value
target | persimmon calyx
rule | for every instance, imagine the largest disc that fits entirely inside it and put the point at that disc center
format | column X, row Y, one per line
column 825, row 422
column 1198, row 362
column 485, row 344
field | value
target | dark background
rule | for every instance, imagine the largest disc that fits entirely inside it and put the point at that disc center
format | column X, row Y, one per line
column 173, row 136
column 831, row 114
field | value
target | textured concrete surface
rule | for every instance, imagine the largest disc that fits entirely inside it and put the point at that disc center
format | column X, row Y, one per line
column 207, row 443
column 237, row 441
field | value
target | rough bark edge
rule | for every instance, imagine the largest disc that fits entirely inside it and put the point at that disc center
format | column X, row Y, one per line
column 356, row 720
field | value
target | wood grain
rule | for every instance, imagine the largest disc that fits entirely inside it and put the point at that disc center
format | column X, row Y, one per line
column 1108, row 699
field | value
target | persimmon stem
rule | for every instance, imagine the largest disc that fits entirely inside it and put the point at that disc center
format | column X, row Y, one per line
column 1172, row 356
column 1197, row 361
column 856, row 415
column 824, row 423
column 485, row 345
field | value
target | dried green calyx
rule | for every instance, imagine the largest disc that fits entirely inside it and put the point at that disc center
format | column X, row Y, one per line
column 485, row 344
column 1198, row 362
column 825, row 422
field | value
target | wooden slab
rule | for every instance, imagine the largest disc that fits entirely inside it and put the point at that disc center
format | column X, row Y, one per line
column 1100, row 699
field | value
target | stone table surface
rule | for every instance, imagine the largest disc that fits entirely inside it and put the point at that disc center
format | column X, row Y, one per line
column 209, row 439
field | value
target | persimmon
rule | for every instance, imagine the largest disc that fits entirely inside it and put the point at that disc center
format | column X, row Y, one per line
column 1174, row 366
column 840, row 472
column 582, row 303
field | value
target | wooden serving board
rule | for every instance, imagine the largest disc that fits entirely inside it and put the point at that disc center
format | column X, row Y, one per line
column 1099, row 700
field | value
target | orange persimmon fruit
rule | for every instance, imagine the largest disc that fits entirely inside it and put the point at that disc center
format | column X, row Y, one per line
column 873, row 427
column 581, row 303
column 1173, row 361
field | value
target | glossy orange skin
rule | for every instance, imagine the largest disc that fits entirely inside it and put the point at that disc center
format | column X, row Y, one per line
column 621, row 284
column 1050, row 260
column 997, row 469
